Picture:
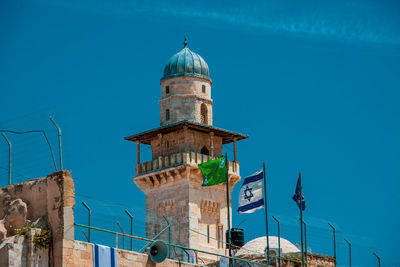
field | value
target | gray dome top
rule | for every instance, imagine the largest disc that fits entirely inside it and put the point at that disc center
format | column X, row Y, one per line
column 186, row 63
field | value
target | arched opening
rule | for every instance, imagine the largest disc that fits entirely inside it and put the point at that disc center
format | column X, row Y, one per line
column 204, row 114
column 204, row 151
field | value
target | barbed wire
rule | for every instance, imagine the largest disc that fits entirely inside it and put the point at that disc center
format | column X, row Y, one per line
column 35, row 131
column 152, row 218
column 109, row 218
column 14, row 172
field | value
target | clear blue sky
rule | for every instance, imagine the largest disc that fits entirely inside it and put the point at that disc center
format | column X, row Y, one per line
column 315, row 84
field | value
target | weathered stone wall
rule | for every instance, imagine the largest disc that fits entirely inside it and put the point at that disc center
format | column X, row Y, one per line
column 180, row 196
column 49, row 200
column 170, row 200
column 293, row 260
column 18, row 250
column 80, row 254
column 174, row 142
column 186, row 86
column 184, row 100
column 208, row 215
column 45, row 202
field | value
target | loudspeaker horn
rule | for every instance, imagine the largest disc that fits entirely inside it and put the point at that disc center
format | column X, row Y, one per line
column 158, row 251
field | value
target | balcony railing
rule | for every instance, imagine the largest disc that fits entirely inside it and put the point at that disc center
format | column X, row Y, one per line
column 177, row 159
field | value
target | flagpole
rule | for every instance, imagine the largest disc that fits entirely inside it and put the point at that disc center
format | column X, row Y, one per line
column 228, row 206
column 266, row 211
column 301, row 221
column 305, row 244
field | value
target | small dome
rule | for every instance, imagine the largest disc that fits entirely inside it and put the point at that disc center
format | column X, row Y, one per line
column 186, row 63
column 258, row 245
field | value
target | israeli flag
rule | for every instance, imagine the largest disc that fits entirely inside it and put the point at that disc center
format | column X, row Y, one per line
column 251, row 193
column 104, row 256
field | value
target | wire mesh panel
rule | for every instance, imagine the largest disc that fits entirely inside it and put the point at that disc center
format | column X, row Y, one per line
column 34, row 145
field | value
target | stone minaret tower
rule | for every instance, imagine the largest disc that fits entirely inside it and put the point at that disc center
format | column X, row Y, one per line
column 185, row 138
column 186, row 89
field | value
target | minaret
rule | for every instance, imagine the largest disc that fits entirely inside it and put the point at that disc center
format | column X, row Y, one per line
column 186, row 89
column 186, row 137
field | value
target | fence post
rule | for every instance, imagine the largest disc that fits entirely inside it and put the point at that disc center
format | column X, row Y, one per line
column 334, row 241
column 90, row 217
column 348, row 242
column 379, row 259
column 131, row 218
column 59, row 142
column 9, row 157
column 83, row 232
column 305, row 242
column 279, row 241
column 123, row 237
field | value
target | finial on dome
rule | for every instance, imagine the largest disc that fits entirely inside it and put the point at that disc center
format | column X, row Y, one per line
column 185, row 42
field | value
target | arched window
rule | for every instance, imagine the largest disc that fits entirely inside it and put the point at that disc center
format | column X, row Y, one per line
column 204, row 151
column 204, row 114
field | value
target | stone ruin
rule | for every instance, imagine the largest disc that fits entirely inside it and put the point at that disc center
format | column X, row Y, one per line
column 27, row 209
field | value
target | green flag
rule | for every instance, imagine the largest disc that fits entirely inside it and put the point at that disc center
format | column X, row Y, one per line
column 214, row 171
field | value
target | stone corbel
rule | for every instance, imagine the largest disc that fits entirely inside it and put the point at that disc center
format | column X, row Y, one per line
column 156, row 182
column 149, row 182
column 166, row 177
column 162, row 179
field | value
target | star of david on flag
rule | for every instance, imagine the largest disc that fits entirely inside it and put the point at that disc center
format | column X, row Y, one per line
column 251, row 194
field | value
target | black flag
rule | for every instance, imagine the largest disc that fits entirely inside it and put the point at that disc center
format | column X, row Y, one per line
column 298, row 195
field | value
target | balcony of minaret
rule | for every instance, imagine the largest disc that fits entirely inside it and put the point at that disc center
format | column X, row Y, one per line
column 177, row 149
column 166, row 169
column 179, row 159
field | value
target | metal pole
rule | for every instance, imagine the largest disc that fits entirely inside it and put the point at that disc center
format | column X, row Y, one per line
column 90, row 215
column 9, row 157
column 169, row 231
column 279, row 241
column 228, row 206
column 169, row 227
column 334, row 241
column 83, row 232
column 51, row 149
column 301, row 222
column 379, row 259
column 59, row 142
column 348, row 242
column 123, row 237
column 266, row 212
column 131, row 217
column 159, row 234
column 305, row 242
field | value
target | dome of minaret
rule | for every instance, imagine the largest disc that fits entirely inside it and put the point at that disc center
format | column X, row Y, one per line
column 186, row 63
